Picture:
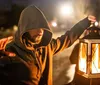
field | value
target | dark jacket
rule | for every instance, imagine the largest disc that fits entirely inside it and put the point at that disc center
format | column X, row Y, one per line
column 34, row 67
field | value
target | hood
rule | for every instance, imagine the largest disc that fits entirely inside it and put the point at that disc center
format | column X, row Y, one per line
column 32, row 18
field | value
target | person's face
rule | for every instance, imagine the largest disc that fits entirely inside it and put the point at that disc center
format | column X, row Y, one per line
column 36, row 35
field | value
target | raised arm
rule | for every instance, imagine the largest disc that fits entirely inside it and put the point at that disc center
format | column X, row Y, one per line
column 71, row 36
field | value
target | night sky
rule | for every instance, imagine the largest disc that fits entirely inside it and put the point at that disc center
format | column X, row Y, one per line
column 6, row 4
column 51, row 7
column 47, row 6
column 44, row 5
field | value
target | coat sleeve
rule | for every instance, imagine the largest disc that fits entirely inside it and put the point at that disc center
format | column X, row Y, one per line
column 69, row 37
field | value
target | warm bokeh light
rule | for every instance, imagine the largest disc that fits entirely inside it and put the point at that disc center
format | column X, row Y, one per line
column 66, row 10
column 96, row 23
column 54, row 24
column 15, row 28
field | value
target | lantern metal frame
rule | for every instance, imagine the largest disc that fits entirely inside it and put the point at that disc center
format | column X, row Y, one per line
column 88, row 73
column 89, row 43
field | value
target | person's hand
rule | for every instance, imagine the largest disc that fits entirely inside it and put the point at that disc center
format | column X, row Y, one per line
column 3, row 43
column 92, row 18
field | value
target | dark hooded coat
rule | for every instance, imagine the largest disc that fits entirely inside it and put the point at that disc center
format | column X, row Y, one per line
column 34, row 67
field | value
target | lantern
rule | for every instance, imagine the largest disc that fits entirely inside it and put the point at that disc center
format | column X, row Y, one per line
column 89, row 54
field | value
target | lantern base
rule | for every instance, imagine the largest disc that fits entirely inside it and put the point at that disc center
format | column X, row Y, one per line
column 81, row 80
column 96, row 75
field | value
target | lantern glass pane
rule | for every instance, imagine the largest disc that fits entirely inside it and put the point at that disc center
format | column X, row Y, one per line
column 82, row 57
column 95, row 58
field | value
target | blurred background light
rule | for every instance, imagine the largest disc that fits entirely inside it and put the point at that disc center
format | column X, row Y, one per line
column 15, row 28
column 96, row 23
column 66, row 10
column 54, row 24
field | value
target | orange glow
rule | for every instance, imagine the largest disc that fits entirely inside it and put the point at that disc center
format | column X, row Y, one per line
column 95, row 63
column 82, row 57
column 95, row 58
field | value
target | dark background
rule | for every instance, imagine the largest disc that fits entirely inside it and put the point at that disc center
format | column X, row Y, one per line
column 63, row 70
column 10, row 9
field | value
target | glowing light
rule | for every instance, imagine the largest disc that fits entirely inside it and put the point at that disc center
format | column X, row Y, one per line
column 82, row 64
column 95, row 62
column 96, row 23
column 67, row 10
column 82, row 59
column 15, row 28
column 54, row 24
